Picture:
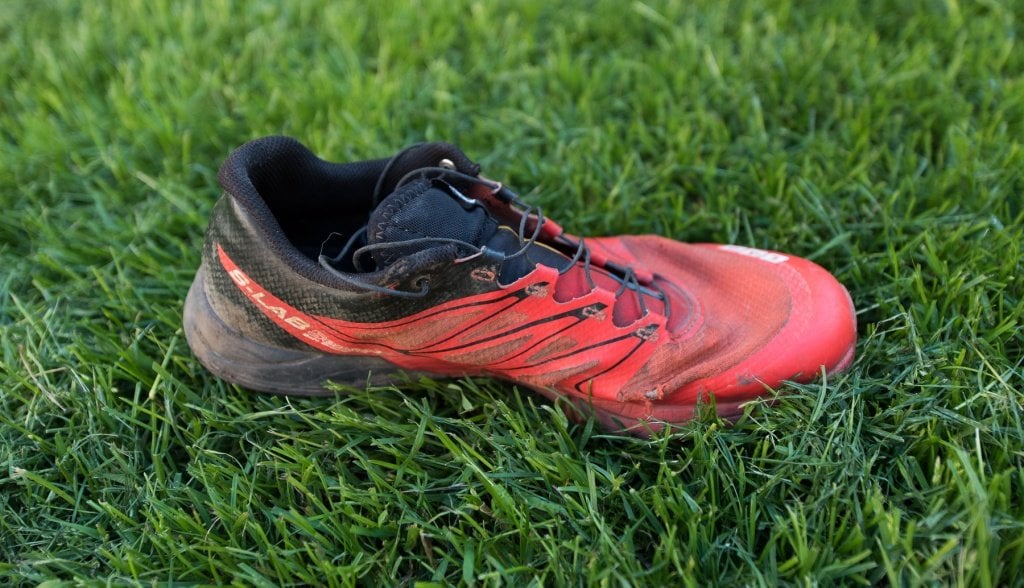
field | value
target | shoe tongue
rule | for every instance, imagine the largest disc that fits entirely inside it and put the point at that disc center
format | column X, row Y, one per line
column 431, row 209
column 426, row 209
column 426, row 155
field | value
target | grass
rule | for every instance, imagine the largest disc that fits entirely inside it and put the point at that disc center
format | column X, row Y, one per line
column 884, row 140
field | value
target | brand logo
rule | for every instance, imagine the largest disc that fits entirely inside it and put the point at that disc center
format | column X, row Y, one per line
column 260, row 298
column 287, row 317
column 768, row 256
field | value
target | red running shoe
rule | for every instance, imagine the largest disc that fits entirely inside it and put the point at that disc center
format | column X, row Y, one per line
column 316, row 272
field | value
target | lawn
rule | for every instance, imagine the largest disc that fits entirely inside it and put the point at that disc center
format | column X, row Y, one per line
column 882, row 139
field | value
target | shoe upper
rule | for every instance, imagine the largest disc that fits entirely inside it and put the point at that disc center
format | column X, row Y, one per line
column 421, row 261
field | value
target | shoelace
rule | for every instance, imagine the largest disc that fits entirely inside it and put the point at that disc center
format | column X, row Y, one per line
column 628, row 278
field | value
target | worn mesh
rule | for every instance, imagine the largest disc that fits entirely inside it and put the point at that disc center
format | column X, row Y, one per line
column 417, row 210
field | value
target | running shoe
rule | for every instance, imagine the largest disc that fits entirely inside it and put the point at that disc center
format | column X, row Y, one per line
column 370, row 272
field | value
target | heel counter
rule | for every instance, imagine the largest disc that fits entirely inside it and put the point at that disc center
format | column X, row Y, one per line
column 228, row 301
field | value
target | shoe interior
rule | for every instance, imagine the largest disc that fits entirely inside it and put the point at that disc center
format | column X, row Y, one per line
column 315, row 203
